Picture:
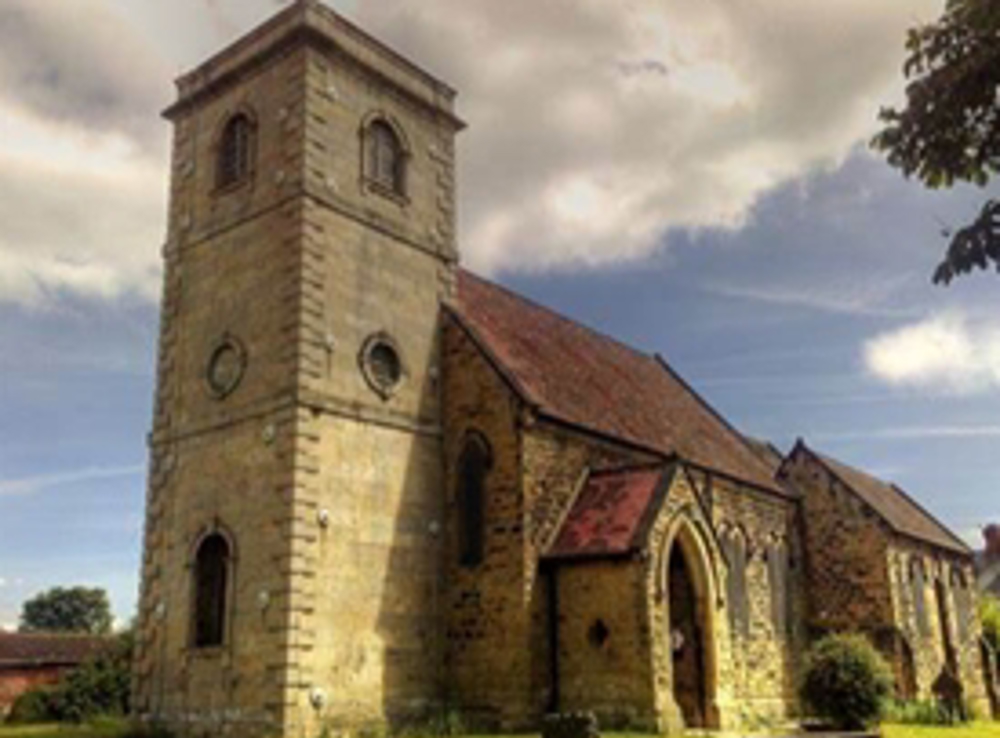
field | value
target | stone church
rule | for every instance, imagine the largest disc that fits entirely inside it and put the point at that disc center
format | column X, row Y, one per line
column 382, row 487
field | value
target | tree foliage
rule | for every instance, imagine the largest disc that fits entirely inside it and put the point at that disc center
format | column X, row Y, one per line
column 989, row 616
column 68, row 610
column 949, row 129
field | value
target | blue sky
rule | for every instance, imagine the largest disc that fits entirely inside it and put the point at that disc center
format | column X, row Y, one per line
column 692, row 181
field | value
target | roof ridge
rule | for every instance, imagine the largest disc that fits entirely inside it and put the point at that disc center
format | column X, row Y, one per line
column 913, row 501
column 561, row 316
column 827, row 461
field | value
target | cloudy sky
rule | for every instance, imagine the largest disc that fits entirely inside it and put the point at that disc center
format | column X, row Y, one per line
column 689, row 176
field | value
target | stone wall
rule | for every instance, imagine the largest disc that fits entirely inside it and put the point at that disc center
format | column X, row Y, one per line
column 556, row 459
column 925, row 653
column 604, row 642
column 224, row 463
column 846, row 545
column 329, row 491
column 762, row 672
column 486, row 614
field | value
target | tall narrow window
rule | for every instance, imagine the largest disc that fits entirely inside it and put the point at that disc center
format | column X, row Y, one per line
column 736, row 583
column 963, row 604
column 918, row 591
column 235, row 154
column 779, row 573
column 472, row 468
column 211, row 579
column 385, row 159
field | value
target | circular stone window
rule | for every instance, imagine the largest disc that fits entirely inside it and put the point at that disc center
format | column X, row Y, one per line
column 381, row 364
column 226, row 366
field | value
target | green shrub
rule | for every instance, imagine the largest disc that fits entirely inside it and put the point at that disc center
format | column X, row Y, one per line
column 846, row 681
column 989, row 616
column 33, row 706
column 99, row 687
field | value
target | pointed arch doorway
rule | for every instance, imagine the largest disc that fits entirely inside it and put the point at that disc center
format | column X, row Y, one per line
column 691, row 637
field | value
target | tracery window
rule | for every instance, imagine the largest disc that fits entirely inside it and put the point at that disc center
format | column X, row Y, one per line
column 473, row 466
column 779, row 575
column 235, row 152
column 963, row 604
column 211, row 582
column 735, row 549
column 385, row 158
column 919, row 594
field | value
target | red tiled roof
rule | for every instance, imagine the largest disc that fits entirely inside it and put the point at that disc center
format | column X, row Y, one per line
column 606, row 517
column 44, row 649
column 576, row 375
column 898, row 509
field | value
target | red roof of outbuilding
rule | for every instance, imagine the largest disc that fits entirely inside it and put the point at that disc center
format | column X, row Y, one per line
column 608, row 514
column 48, row 649
column 576, row 375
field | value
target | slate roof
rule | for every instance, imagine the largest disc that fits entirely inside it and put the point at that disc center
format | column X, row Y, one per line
column 608, row 515
column 576, row 375
column 767, row 452
column 43, row 649
column 898, row 509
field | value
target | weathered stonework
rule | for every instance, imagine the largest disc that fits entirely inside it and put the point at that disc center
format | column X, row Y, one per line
column 350, row 602
column 862, row 575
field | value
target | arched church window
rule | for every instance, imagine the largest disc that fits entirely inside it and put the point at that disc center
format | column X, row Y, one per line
column 211, row 582
column 963, row 603
column 385, row 158
column 235, row 151
column 473, row 465
column 919, row 594
column 779, row 575
column 735, row 548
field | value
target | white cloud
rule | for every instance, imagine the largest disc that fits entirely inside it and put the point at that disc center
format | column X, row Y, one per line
column 913, row 432
column 945, row 351
column 857, row 298
column 41, row 482
column 596, row 127
column 3, row 582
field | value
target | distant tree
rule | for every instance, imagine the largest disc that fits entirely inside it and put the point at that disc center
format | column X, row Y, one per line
column 989, row 615
column 949, row 129
column 68, row 610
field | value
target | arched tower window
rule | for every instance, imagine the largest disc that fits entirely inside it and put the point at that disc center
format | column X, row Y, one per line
column 473, row 465
column 211, row 582
column 236, row 151
column 385, row 157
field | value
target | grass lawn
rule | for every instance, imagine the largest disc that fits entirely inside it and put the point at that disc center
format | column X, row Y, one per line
column 61, row 731
column 973, row 730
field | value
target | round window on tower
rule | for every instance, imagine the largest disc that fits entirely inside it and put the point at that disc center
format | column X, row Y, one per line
column 227, row 363
column 381, row 365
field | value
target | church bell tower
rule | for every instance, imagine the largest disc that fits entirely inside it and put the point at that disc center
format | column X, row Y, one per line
column 291, row 567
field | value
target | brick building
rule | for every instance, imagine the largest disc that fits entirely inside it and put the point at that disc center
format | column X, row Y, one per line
column 29, row 660
column 381, row 486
